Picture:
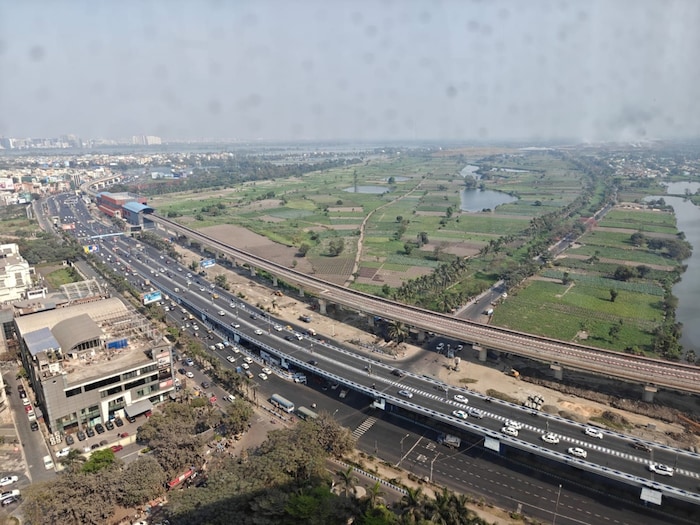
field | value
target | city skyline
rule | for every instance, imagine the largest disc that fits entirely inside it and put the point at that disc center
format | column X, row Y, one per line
column 360, row 71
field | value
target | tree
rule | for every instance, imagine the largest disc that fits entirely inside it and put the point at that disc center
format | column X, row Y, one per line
column 336, row 247
column 614, row 331
column 73, row 461
column 143, row 480
column 304, row 248
column 408, row 248
column 397, row 331
column 624, row 273
column 220, row 280
column 423, row 239
column 613, row 295
column 348, row 479
column 98, row 460
column 638, row 239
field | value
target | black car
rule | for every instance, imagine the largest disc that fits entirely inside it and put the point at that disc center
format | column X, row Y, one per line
column 131, row 419
column 34, row 426
column 99, row 428
column 90, row 432
column 95, row 446
column 313, row 362
column 22, row 394
column 69, row 439
column 641, row 446
column 81, row 436
column 182, row 371
column 205, row 384
column 118, row 421
column 397, row 372
column 288, row 337
column 109, row 425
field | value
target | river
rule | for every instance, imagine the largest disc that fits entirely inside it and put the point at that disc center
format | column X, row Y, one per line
column 687, row 290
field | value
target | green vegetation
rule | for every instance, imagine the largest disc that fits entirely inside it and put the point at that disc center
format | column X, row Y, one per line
column 63, row 276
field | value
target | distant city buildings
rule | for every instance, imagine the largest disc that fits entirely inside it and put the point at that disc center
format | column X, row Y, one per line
column 74, row 142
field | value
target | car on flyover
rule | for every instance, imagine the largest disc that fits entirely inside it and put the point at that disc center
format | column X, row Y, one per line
column 578, row 452
column 406, row 393
column 510, row 431
column 593, row 432
column 461, row 399
column 460, row 414
column 661, row 469
column 550, row 438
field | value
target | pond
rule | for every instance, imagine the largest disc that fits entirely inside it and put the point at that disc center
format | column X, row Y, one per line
column 478, row 200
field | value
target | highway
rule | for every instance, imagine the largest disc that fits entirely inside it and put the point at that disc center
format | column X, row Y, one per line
column 613, row 456
column 645, row 371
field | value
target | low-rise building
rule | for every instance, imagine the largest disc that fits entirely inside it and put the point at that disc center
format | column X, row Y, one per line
column 93, row 361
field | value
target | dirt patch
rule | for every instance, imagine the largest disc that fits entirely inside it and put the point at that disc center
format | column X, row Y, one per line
column 463, row 249
column 346, row 209
column 270, row 218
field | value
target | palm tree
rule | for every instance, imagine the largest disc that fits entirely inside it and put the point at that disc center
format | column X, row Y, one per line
column 397, row 331
column 413, row 502
column 73, row 461
column 348, row 479
column 373, row 494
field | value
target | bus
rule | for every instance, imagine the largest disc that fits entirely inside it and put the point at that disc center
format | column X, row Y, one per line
column 280, row 402
column 306, row 414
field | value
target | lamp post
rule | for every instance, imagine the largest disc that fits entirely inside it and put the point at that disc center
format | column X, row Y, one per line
column 556, row 507
column 431, row 466
column 407, row 435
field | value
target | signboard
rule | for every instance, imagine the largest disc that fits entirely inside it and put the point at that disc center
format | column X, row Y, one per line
column 207, row 263
column 492, row 444
column 152, row 297
column 91, row 248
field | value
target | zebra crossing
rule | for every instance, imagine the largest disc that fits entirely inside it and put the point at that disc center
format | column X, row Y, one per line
column 364, row 427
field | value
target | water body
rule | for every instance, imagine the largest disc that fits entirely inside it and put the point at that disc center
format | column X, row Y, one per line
column 477, row 200
column 376, row 190
column 678, row 188
column 687, row 290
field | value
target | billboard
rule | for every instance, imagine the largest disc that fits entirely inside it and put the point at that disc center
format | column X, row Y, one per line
column 7, row 184
column 152, row 297
column 207, row 263
column 91, row 248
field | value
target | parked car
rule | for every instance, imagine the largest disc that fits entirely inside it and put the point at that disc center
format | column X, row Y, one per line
column 99, row 428
column 116, row 448
column 10, row 500
column 8, row 480
column 118, row 421
column 90, row 432
column 69, row 439
column 81, row 435
column 205, row 384
column 109, row 425
column 63, row 452
column 131, row 419
column 34, row 426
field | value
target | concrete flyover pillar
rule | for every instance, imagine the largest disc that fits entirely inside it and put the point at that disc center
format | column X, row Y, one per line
column 421, row 336
column 648, row 395
column 301, row 292
column 252, row 270
column 370, row 320
column 274, row 281
column 188, row 242
column 558, row 371
column 322, row 306
column 483, row 353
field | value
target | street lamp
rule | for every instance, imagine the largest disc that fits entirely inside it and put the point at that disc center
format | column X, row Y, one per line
column 556, row 507
column 407, row 435
column 431, row 466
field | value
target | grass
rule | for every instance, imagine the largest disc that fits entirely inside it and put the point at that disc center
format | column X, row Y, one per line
column 62, row 276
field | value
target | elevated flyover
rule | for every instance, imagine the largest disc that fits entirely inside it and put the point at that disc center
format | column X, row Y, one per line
column 642, row 370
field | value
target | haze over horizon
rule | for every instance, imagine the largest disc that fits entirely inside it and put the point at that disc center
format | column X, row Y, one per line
column 351, row 70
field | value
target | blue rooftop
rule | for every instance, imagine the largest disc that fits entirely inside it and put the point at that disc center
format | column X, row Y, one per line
column 40, row 341
column 136, row 207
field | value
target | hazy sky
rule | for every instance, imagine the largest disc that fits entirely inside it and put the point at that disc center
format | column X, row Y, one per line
column 363, row 70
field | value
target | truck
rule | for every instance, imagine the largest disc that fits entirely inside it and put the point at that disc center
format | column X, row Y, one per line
column 449, row 440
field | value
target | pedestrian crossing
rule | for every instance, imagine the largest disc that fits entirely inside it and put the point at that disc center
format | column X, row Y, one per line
column 364, row 427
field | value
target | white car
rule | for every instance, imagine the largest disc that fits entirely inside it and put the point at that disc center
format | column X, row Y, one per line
column 550, row 438
column 230, row 359
column 514, row 424
column 406, row 393
column 278, row 328
column 461, row 399
column 235, row 325
column 661, row 469
column 510, row 431
column 8, row 480
column 262, row 376
column 245, row 366
column 63, row 452
column 221, row 312
column 258, row 332
column 578, row 452
column 267, row 371
column 232, row 305
column 230, row 398
column 248, row 359
column 189, row 374
column 460, row 414
column 593, row 432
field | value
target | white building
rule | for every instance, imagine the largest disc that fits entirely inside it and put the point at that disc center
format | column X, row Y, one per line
column 15, row 274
